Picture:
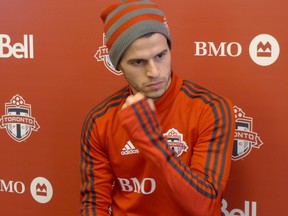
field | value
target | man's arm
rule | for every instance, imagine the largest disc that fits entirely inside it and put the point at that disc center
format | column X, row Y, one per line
column 96, row 174
column 195, row 187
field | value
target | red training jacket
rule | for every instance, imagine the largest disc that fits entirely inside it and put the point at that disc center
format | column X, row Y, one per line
column 174, row 161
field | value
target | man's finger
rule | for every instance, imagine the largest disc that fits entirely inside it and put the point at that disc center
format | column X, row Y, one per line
column 137, row 97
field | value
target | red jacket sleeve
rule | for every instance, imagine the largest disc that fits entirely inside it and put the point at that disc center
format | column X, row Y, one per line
column 204, row 179
column 96, row 174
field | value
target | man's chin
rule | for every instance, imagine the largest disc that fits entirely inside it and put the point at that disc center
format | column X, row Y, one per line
column 155, row 95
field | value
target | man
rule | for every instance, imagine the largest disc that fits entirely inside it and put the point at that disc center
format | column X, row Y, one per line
column 161, row 145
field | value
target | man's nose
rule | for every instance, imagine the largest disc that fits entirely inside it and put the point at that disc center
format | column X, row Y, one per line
column 151, row 69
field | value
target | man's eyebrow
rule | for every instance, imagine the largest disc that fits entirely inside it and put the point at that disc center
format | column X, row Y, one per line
column 135, row 59
column 162, row 52
column 143, row 59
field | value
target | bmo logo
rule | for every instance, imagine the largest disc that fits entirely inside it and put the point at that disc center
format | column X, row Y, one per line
column 40, row 188
column 17, row 187
column 146, row 186
column 264, row 49
column 231, row 49
column 23, row 49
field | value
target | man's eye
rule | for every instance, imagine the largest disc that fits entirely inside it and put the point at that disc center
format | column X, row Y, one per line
column 137, row 62
column 160, row 55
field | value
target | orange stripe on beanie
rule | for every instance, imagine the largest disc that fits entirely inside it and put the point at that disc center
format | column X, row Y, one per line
column 124, row 22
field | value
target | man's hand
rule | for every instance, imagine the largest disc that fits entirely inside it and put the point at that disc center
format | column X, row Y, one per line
column 137, row 97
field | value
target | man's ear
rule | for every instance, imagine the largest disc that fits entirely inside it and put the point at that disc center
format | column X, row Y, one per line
column 118, row 67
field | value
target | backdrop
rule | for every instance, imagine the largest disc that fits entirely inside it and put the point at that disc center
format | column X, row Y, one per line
column 54, row 69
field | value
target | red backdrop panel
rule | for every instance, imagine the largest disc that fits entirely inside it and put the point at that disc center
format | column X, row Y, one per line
column 50, row 79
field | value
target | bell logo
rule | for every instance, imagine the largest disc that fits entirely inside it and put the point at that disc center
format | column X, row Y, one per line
column 250, row 209
column 19, row 50
column 41, row 190
column 264, row 50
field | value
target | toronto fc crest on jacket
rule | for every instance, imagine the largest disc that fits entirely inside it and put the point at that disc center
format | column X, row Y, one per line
column 175, row 141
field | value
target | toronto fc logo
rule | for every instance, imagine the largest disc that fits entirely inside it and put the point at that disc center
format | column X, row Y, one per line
column 175, row 141
column 245, row 138
column 18, row 119
column 102, row 55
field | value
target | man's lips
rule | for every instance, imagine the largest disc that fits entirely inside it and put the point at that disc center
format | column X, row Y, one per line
column 155, row 85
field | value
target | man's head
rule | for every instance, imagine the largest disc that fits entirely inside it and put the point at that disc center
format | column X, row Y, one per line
column 126, row 21
column 146, row 65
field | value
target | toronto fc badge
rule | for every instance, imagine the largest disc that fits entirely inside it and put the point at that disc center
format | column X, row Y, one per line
column 175, row 141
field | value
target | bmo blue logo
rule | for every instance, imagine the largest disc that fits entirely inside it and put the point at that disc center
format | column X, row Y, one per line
column 23, row 49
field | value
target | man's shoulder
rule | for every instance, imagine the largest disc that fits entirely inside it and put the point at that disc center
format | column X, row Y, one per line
column 111, row 103
column 193, row 90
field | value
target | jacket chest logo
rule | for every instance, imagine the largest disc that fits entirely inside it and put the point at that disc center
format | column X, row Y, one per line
column 175, row 141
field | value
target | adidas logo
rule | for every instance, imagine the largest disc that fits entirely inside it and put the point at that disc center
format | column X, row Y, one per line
column 129, row 148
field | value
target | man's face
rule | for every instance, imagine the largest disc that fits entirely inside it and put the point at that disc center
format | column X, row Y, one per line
column 146, row 65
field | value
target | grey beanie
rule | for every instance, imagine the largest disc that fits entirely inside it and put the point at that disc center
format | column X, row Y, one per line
column 124, row 22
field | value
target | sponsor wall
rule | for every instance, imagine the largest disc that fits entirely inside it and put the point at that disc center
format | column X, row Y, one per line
column 54, row 68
